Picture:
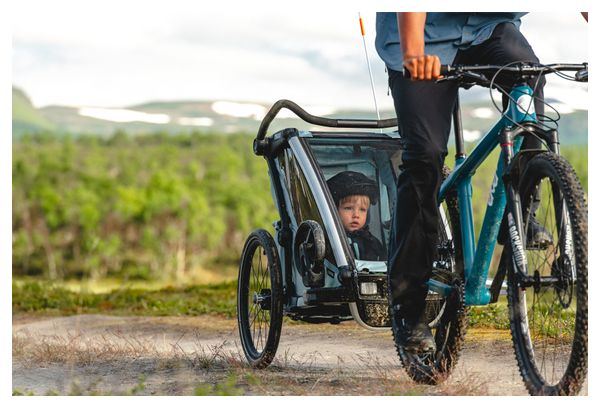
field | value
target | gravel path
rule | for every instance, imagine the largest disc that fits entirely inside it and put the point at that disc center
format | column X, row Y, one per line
column 98, row 354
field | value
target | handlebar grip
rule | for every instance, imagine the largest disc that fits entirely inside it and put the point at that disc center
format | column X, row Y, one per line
column 582, row 75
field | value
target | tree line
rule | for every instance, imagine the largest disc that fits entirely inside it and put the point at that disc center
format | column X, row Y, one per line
column 139, row 207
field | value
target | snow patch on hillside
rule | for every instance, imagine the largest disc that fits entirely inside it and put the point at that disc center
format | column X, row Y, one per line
column 239, row 110
column 124, row 115
column 195, row 121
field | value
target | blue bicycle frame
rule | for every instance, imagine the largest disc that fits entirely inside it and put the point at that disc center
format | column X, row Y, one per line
column 477, row 259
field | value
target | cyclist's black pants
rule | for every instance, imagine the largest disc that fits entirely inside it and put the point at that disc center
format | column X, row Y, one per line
column 424, row 111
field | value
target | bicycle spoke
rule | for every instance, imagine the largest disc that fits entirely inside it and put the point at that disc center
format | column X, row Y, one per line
column 548, row 321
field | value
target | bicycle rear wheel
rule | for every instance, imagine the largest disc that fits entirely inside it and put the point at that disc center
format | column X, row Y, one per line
column 548, row 308
column 447, row 315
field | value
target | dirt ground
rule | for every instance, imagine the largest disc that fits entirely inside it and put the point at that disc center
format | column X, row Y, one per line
column 111, row 355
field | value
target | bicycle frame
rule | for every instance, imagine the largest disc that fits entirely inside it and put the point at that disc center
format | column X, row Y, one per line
column 477, row 259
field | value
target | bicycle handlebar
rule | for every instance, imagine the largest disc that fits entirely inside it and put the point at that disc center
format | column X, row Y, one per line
column 319, row 121
column 477, row 73
column 521, row 69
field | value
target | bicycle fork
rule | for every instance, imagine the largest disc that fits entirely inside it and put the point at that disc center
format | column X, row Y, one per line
column 516, row 231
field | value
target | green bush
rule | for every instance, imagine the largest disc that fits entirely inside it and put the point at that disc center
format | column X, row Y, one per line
column 145, row 207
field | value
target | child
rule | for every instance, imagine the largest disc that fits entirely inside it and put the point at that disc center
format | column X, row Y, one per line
column 353, row 193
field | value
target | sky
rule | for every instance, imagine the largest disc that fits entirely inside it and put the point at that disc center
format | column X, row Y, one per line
column 122, row 53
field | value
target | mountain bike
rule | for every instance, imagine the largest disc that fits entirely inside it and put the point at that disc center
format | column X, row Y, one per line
column 547, row 287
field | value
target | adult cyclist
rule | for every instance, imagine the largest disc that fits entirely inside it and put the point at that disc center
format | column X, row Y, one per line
column 421, row 42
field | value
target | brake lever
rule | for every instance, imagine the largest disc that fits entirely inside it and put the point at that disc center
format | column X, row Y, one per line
column 446, row 78
column 480, row 78
column 466, row 79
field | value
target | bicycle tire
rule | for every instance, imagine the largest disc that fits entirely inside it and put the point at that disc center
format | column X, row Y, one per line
column 448, row 316
column 259, row 299
column 549, row 321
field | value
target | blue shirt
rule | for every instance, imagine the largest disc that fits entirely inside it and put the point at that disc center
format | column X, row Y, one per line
column 445, row 34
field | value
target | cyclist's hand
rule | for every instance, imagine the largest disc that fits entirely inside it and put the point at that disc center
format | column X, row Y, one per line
column 423, row 67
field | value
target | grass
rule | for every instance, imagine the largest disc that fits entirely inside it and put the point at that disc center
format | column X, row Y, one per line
column 228, row 387
column 493, row 316
column 114, row 346
column 34, row 296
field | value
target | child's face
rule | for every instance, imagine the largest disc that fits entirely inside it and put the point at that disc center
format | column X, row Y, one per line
column 353, row 212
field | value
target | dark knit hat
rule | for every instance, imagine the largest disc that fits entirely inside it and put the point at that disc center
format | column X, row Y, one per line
column 349, row 183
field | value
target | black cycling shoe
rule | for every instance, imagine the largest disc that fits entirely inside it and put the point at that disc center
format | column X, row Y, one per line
column 413, row 335
column 538, row 237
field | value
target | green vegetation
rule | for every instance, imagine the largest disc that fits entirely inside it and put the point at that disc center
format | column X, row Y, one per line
column 148, row 207
column 228, row 387
column 32, row 296
column 494, row 316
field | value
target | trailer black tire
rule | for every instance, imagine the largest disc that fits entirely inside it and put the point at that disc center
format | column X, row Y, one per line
column 260, row 299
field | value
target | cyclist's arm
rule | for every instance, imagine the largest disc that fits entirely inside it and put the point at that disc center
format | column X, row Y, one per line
column 411, row 27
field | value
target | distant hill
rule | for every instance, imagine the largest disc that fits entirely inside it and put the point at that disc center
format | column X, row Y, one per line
column 25, row 117
column 225, row 117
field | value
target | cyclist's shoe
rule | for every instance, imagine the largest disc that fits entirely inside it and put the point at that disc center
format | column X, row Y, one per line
column 413, row 335
column 538, row 237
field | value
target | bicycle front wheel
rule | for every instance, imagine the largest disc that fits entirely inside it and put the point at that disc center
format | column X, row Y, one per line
column 548, row 307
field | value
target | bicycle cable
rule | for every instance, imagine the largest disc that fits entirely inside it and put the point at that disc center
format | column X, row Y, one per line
column 543, row 119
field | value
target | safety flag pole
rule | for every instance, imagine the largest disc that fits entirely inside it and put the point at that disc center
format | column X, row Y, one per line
column 362, row 31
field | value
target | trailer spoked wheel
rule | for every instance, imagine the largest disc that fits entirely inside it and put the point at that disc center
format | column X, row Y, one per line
column 260, row 299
